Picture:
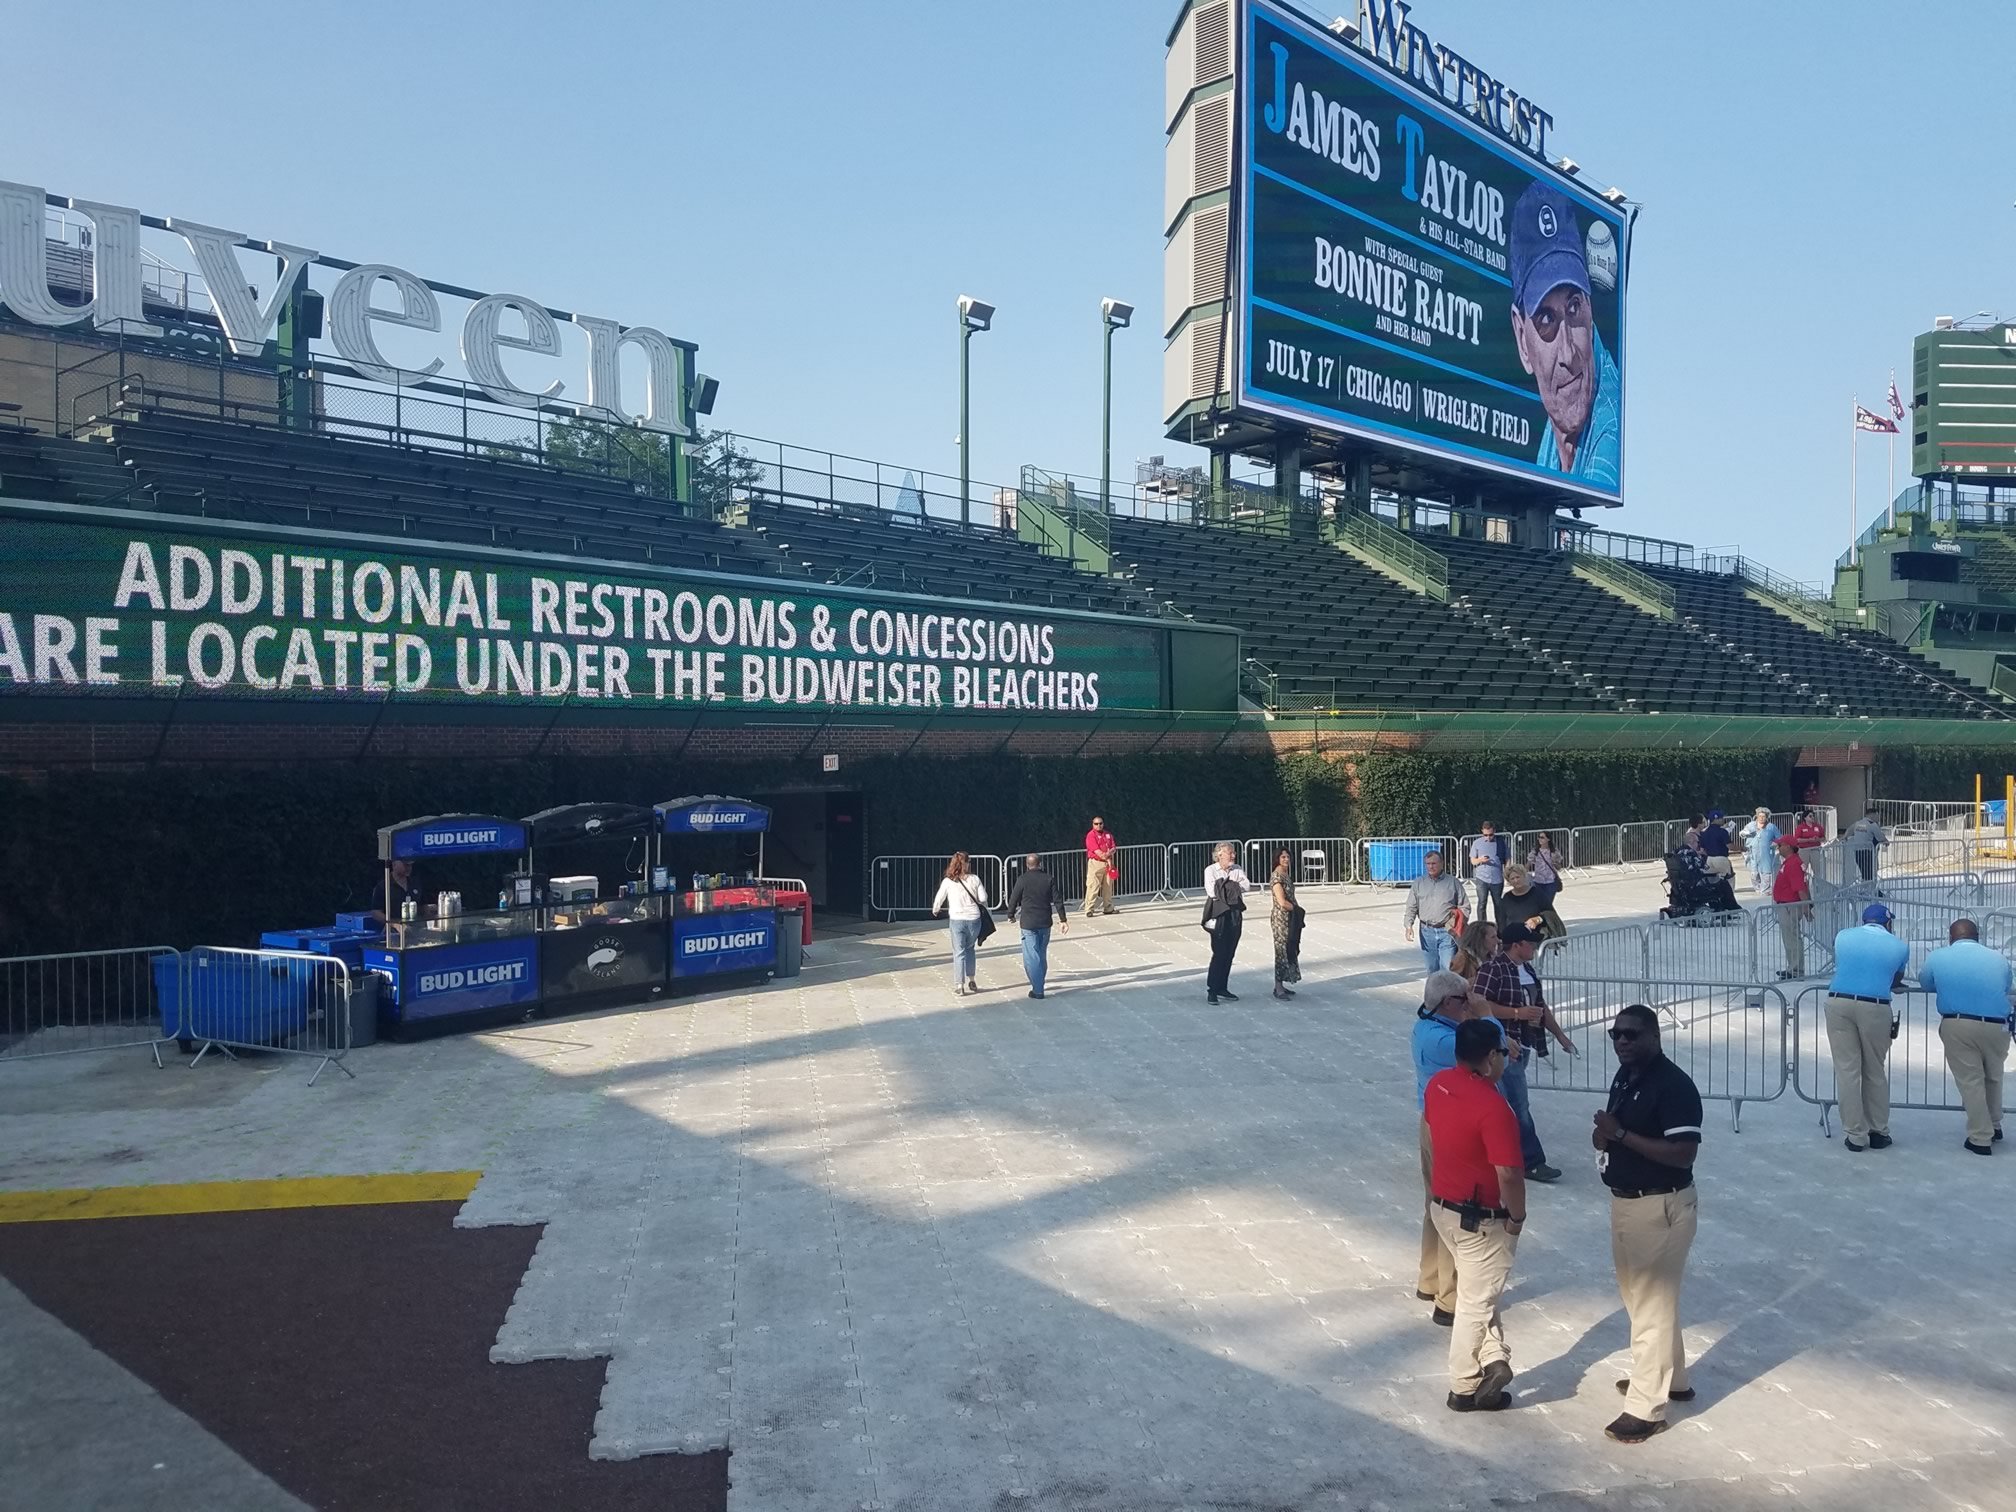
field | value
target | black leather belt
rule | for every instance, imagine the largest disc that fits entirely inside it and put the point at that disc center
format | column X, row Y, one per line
column 1458, row 1207
column 1977, row 1018
column 1856, row 997
column 1649, row 1191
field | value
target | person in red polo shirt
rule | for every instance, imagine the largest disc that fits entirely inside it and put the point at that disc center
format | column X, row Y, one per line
column 1792, row 901
column 1099, row 868
column 1478, row 1190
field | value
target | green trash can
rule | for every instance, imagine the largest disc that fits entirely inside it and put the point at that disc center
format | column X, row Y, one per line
column 790, row 941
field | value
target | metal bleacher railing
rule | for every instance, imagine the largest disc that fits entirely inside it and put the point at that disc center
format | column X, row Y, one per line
column 1628, row 583
column 1394, row 552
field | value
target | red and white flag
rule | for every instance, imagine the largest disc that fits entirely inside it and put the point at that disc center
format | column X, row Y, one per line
column 1896, row 403
column 1869, row 420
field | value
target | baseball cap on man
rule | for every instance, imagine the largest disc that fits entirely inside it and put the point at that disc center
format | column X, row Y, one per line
column 1876, row 913
column 1546, row 250
column 1517, row 934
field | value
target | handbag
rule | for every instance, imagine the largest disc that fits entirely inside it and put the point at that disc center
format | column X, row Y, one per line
column 986, row 931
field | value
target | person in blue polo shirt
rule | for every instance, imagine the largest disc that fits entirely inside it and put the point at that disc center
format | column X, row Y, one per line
column 1715, row 845
column 1554, row 331
column 1972, row 983
column 1868, row 969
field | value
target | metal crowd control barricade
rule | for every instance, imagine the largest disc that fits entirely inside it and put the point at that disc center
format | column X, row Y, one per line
column 907, row 884
column 1066, row 868
column 1183, row 876
column 1919, row 1078
column 1313, row 861
column 1595, row 845
column 1642, row 841
column 1396, row 860
column 86, row 1000
column 1523, row 843
column 1143, row 871
column 1997, row 887
column 1595, row 955
column 1705, row 947
column 1808, row 950
column 1730, row 1038
column 289, row 1001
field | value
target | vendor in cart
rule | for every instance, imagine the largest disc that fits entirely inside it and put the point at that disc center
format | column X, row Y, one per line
column 399, row 888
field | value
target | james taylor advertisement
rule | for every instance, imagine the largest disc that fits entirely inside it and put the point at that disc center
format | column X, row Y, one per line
column 1407, row 278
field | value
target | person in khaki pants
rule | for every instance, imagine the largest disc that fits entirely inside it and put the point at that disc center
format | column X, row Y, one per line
column 1972, row 983
column 1479, row 1204
column 1869, row 966
column 1446, row 1006
column 1646, row 1139
column 1099, row 848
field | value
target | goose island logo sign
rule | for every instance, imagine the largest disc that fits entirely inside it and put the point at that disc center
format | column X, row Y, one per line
column 605, row 960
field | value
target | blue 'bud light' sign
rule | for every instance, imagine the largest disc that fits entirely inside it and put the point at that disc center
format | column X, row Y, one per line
column 708, row 944
column 453, row 835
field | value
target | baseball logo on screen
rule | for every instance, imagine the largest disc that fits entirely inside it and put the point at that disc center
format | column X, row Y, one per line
column 1548, row 225
column 1600, row 247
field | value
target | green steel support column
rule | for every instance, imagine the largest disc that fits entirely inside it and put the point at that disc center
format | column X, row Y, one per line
column 1106, row 426
column 965, row 442
column 297, row 407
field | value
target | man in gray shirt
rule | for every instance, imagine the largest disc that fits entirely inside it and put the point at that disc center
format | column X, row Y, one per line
column 1432, row 902
column 1864, row 836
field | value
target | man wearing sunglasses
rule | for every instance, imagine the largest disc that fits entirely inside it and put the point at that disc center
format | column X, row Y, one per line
column 1478, row 1199
column 1646, row 1141
column 1555, row 332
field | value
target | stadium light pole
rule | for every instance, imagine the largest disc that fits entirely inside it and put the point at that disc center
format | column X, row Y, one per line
column 1114, row 315
column 974, row 315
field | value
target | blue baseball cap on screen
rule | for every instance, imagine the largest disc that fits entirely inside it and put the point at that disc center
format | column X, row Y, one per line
column 1875, row 913
column 1546, row 250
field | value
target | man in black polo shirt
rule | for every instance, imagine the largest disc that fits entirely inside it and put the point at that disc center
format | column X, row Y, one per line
column 1647, row 1139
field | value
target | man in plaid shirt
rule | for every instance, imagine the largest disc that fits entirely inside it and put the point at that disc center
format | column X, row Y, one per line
column 1510, row 984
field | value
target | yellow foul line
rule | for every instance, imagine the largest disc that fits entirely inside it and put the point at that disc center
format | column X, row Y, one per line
column 236, row 1196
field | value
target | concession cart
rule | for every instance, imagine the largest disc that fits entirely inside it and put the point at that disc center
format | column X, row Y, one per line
column 450, row 971
column 597, row 935
column 595, row 908
column 727, row 920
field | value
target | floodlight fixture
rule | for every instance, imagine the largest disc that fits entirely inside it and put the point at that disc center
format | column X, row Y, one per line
column 1568, row 166
column 1114, row 315
column 704, row 392
column 1345, row 28
column 1614, row 196
column 975, row 314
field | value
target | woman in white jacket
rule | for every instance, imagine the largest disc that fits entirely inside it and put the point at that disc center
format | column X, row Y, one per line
column 963, row 897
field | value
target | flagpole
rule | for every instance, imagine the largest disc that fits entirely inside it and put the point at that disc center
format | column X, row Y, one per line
column 1854, row 435
column 1890, row 482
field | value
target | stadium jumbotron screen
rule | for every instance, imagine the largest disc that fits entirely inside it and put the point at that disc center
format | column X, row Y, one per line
column 1407, row 278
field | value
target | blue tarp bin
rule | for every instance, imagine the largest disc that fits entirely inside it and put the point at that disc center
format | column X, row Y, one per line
column 242, row 997
column 1398, row 860
column 345, row 944
column 1995, row 808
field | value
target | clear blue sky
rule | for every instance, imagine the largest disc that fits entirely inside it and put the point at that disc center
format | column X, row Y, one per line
column 803, row 188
